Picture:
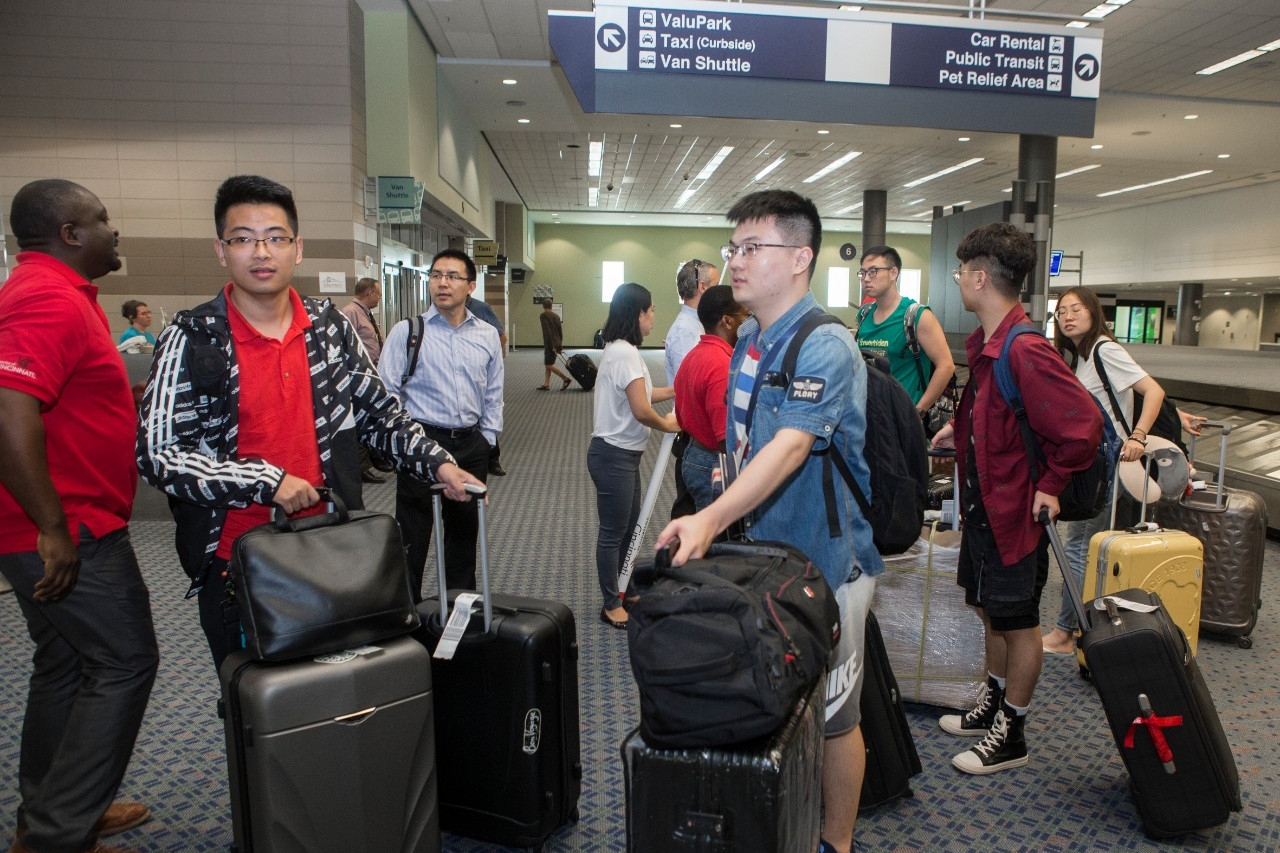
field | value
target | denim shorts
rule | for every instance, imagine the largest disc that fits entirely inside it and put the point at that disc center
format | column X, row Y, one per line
column 1010, row 595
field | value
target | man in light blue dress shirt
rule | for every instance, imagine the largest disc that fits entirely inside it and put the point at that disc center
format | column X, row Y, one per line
column 692, row 280
column 454, row 390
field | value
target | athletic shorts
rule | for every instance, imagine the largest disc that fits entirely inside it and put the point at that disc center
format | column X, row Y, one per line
column 1010, row 595
column 844, row 678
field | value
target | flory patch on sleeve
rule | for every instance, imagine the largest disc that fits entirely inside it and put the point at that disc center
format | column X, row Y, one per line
column 808, row 389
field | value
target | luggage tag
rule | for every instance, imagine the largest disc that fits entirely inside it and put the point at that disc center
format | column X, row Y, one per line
column 1124, row 604
column 457, row 625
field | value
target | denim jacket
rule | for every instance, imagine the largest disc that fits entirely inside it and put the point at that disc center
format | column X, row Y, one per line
column 794, row 514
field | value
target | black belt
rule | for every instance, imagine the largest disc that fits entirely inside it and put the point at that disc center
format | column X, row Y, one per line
column 698, row 444
column 449, row 432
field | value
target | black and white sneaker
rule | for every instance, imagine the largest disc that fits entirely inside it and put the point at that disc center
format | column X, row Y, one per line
column 1004, row 747
column 976, row 722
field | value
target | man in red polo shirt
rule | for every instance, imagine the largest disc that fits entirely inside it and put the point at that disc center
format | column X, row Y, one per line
column 701, row 385
column 260, row 395
column 66, row 493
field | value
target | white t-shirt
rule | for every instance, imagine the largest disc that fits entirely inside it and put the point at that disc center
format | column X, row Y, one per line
column 1123, row 373
column 619, row 367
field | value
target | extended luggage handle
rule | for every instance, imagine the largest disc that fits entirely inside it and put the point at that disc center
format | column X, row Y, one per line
column 340, row 514
column 437, row 516
column 1060, row 555
column 1222, row 457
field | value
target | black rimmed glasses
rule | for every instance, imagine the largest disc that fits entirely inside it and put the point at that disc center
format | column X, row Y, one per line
column 872, row 272
column 451, row 277
column 243, row 241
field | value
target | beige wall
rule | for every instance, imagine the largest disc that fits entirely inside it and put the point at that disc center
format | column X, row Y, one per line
column 151, row 105
column 570, row 258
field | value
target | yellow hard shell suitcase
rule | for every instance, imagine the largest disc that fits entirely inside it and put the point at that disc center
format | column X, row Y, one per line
column 1169, row 563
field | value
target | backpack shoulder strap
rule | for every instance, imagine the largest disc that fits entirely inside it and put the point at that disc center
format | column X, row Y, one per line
column 1009, row 391
column 1101, row 369
column 412, row 346
column 913, row 342
column 812, row 321
column 863, row 311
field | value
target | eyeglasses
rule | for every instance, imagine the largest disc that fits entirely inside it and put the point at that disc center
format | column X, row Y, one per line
column 957, row 272
column 1070, row 309
column 872, row 272
column 275, row 241
column 748, row 250
column 451, row 277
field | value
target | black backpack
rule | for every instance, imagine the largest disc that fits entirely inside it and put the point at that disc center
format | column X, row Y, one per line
column 894, row 449
column 724, row 647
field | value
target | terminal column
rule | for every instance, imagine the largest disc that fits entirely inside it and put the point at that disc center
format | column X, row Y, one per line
column 1037, row 167
column 874, row 206
column 1187, row 333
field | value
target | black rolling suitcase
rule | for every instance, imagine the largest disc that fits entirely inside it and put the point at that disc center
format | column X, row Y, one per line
column 334, row 754
column 581, row 368
column 1181, row 771
column 891, row 751
column 762, row 796
column 506, row 708
column 1232, row 524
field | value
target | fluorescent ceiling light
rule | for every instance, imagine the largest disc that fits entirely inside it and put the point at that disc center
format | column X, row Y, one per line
column 709, row 169
column 684, row 197
column 760, row 176
column 1077, row 171
column 831, row 167
column 593, row 196
column 947, row 171
column 1232, row 62
column 1078, row 25
column 1097, row 13
column 1271, row 45
column 508, row 82
column 850, row 209
column 595, row 154
column 1156, row 183
column 522, row 121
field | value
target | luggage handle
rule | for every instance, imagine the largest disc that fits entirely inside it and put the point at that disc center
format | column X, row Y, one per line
column 340, row 514
column 1060, row 555
column 950, row 453
column 1222, row 456
column 1148, row 457
column 437, row 517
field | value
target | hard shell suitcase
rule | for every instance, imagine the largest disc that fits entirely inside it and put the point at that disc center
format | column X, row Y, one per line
column 581, row 368
column 333, row 754
column 506, row 709
column 764, row 796
column 891, row 751
column 1182, row 774
column 1232, row 524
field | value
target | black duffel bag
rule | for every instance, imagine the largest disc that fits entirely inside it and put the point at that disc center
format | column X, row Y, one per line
column 321, row 583
column 724, row 647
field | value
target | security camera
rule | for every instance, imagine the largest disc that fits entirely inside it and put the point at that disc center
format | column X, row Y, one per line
column 609, row 188
column 686, row 176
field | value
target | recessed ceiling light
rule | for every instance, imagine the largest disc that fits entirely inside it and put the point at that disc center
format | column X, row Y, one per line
column 1223, row 156
column 1076, row 171
column 963, row 139
column 522, row 121
column 760, row 176
column 1096, row 147
column 509, row 82
column 823, row 132
column 1191, row 117
column 831, row 167
column 947, row 171
column 676, row 126
column 1156, row 183
column 917, row 201
column 1079, row 25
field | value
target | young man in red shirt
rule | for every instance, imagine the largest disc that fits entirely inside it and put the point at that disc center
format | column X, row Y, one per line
column 259, row 396
column 1004, row 551
column 701, row 385
column 66, row 493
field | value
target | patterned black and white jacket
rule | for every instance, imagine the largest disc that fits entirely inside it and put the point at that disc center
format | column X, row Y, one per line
column 188, row 424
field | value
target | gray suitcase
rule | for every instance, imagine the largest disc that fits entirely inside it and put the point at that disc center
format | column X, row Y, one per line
column 1232, row 524
column 333, row 755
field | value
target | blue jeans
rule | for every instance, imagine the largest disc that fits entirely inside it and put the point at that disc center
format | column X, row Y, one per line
column 616, row 474
column 95, row 660
column 698, row 465
column 1077, row 547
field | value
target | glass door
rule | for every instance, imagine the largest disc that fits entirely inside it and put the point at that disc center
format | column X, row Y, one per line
column 1139, row 322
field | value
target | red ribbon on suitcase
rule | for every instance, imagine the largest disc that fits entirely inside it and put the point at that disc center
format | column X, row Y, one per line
column 1153, row 726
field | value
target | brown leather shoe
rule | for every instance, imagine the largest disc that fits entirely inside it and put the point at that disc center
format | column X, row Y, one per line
column 122, row 815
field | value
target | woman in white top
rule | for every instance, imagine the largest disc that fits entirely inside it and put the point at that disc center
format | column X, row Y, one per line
column 624, row 398
column 1083, row 338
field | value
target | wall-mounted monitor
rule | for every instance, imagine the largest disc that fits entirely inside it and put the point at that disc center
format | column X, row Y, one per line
column 1055, row 262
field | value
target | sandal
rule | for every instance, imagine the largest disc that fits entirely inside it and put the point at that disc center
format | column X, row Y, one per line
column 566, row 384
column 620, row 624
column 543, row 388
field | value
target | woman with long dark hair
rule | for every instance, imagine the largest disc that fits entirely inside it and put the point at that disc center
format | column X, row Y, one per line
column 1083, row 339
column 624, row 413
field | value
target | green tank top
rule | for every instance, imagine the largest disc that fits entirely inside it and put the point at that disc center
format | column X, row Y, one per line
column 889, row 339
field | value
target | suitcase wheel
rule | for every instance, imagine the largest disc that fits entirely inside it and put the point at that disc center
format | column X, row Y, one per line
column 1245, row 642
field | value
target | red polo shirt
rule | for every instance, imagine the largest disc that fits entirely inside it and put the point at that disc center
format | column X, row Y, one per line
column 277, row 419
column 56, row 346
column 701, row 385
column 1061, row 413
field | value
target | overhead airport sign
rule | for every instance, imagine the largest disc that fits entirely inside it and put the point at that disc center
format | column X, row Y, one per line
column 697, row 57
column 790, row 43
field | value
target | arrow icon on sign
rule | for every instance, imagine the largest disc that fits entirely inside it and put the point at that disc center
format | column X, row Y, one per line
column 1087, row 67
column 611, row 37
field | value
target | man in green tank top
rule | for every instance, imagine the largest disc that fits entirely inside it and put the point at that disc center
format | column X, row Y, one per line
column 883, row 330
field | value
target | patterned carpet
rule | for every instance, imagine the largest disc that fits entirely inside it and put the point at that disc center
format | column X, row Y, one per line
column 1072, row 797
